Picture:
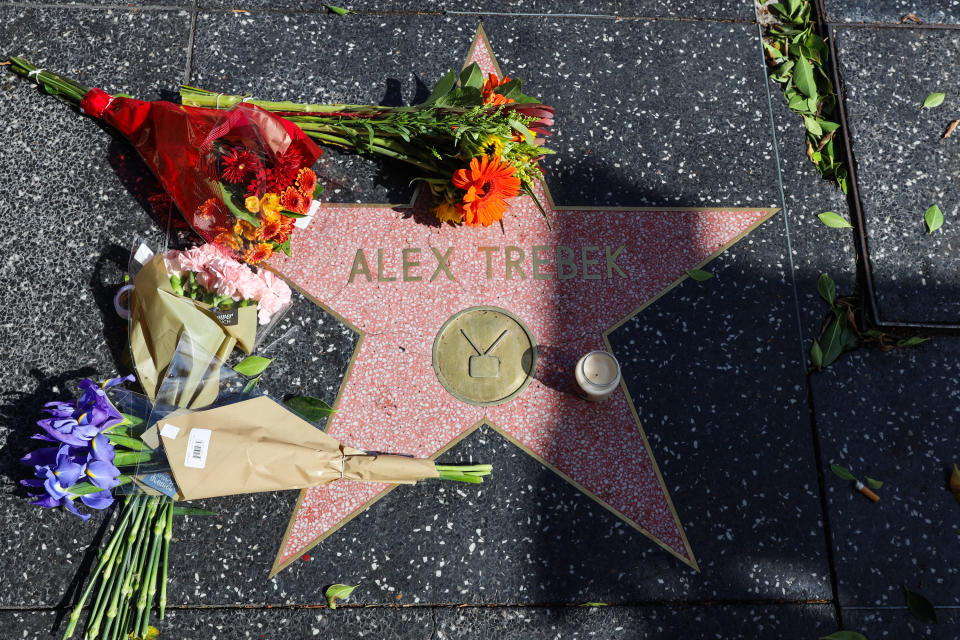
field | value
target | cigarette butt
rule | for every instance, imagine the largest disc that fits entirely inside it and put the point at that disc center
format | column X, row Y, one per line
column 867, row 492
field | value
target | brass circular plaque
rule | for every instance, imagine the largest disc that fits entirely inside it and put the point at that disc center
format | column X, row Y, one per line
column 484, row 355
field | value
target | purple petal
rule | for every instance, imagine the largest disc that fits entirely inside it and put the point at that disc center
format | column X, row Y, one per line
column 112, row 382
column 41, row 456
column 47, row 502
column 60, row 436
column 72, row 508
column 98, row 500
column 67, row 473
column 54, row 488
column 42, row 436
column 101, row 449
column 102, row 474
column 32, row 482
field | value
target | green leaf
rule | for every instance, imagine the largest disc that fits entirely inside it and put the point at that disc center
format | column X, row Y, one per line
column 595, row 604
column 816, row 355
column 292, row 214
column 191, row 511
column 472, row 77
column 125, row 441
column 833, row 340
column 312, row 409
column 131, row 458
column 250, row 385
column 444, row 86
column 934, row 218
column 920, row 607
column 873, row 483
column 844, row 635
column 841, row 472
column 252, row 366
column 812, row 126
column 340, row 11
column 912, row 341
column 699, row 275
column 827, row 289
column 317, row 190
column 933, row 100
column 803, row 78
column 338, row 591
column 834, row 220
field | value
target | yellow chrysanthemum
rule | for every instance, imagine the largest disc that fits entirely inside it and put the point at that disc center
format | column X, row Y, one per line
column 448, row 212
column 252, row 203
column 270, row 204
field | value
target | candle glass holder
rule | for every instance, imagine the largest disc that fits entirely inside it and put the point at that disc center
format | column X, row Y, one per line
column 598, row 375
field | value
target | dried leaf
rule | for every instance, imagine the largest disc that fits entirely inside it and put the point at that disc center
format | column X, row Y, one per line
column 950, row 129
column 911, row 17
column 933, row 100
column 825, row 139
column 810, row 152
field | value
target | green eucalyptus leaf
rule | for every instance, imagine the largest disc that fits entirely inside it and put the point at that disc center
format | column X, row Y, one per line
column 827, row 289
column 933, row 100
column 699, row 275
column 844, row 635
column 873, row 483
column 934, row 218
column 834, row 220
column 841, row 472
column 920, row 607
column 338, row 591
column 312, row 409
column 252, row 366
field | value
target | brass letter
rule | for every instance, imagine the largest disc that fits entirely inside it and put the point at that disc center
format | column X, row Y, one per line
column 407, row 264
column 489, row 251
column 585, row 263
column 513, row 263
column 442, row 264
column 565, row 259
column 612, row 261
column 380, row 276
column 537, row 274
column 360, row 267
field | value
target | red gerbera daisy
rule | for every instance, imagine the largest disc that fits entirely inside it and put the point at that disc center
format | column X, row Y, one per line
column 488, row 182
column 293, row 200
column 239, row 166
column 258, row 253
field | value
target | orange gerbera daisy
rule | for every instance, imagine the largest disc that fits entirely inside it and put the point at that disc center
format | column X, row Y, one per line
column 488, row 183
column 269, row 228
column 225, row 237
column 293, row 200
column 490, row 96
column 258, row 253
column 306, row 182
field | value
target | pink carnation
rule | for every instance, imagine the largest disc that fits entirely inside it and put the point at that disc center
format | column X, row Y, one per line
column 276, row 296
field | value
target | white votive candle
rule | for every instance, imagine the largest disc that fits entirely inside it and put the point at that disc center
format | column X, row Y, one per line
column 598, row 374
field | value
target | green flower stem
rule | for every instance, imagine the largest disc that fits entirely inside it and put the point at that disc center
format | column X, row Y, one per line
column 377, row 148
column 143, row 555
column 103, row 563
column 167, row 535
column 149, row 589
column 111, row 574
column 54, row 84
column 125, row 567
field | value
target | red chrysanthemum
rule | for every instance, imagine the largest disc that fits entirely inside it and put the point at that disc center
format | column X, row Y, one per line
column 488, row 183
column 239, row 166
column 259, row 184
column 293, row 200
column 306, row 182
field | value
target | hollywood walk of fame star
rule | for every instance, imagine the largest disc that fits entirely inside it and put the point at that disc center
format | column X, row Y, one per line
column 397, row 280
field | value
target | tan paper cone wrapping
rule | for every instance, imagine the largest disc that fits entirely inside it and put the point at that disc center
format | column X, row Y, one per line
column 258, row 445
column 159, row 317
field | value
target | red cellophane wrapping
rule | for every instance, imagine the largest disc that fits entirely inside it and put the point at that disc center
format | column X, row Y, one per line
column 181, row 144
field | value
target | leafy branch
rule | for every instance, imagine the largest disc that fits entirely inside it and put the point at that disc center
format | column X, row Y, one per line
column 797, row 57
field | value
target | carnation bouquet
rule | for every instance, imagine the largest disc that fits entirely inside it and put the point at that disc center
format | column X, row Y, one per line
column 475, row 140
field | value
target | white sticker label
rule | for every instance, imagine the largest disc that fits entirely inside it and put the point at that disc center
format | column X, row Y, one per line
column 303, row 223
column 143, row 254
column 197, row 444
column 169, row 431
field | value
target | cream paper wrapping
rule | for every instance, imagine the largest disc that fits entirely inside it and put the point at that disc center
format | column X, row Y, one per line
column 258, row 445
column 158, row 319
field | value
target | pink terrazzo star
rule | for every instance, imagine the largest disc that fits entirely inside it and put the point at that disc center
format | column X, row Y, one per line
column 391, row 399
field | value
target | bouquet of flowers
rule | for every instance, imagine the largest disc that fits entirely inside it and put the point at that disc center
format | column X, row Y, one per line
column 240, row 177
column 204, row 293
column 246, row 443
column 476, row 142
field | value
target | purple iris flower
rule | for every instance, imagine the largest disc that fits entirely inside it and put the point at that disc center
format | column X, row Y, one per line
column 76, row 423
